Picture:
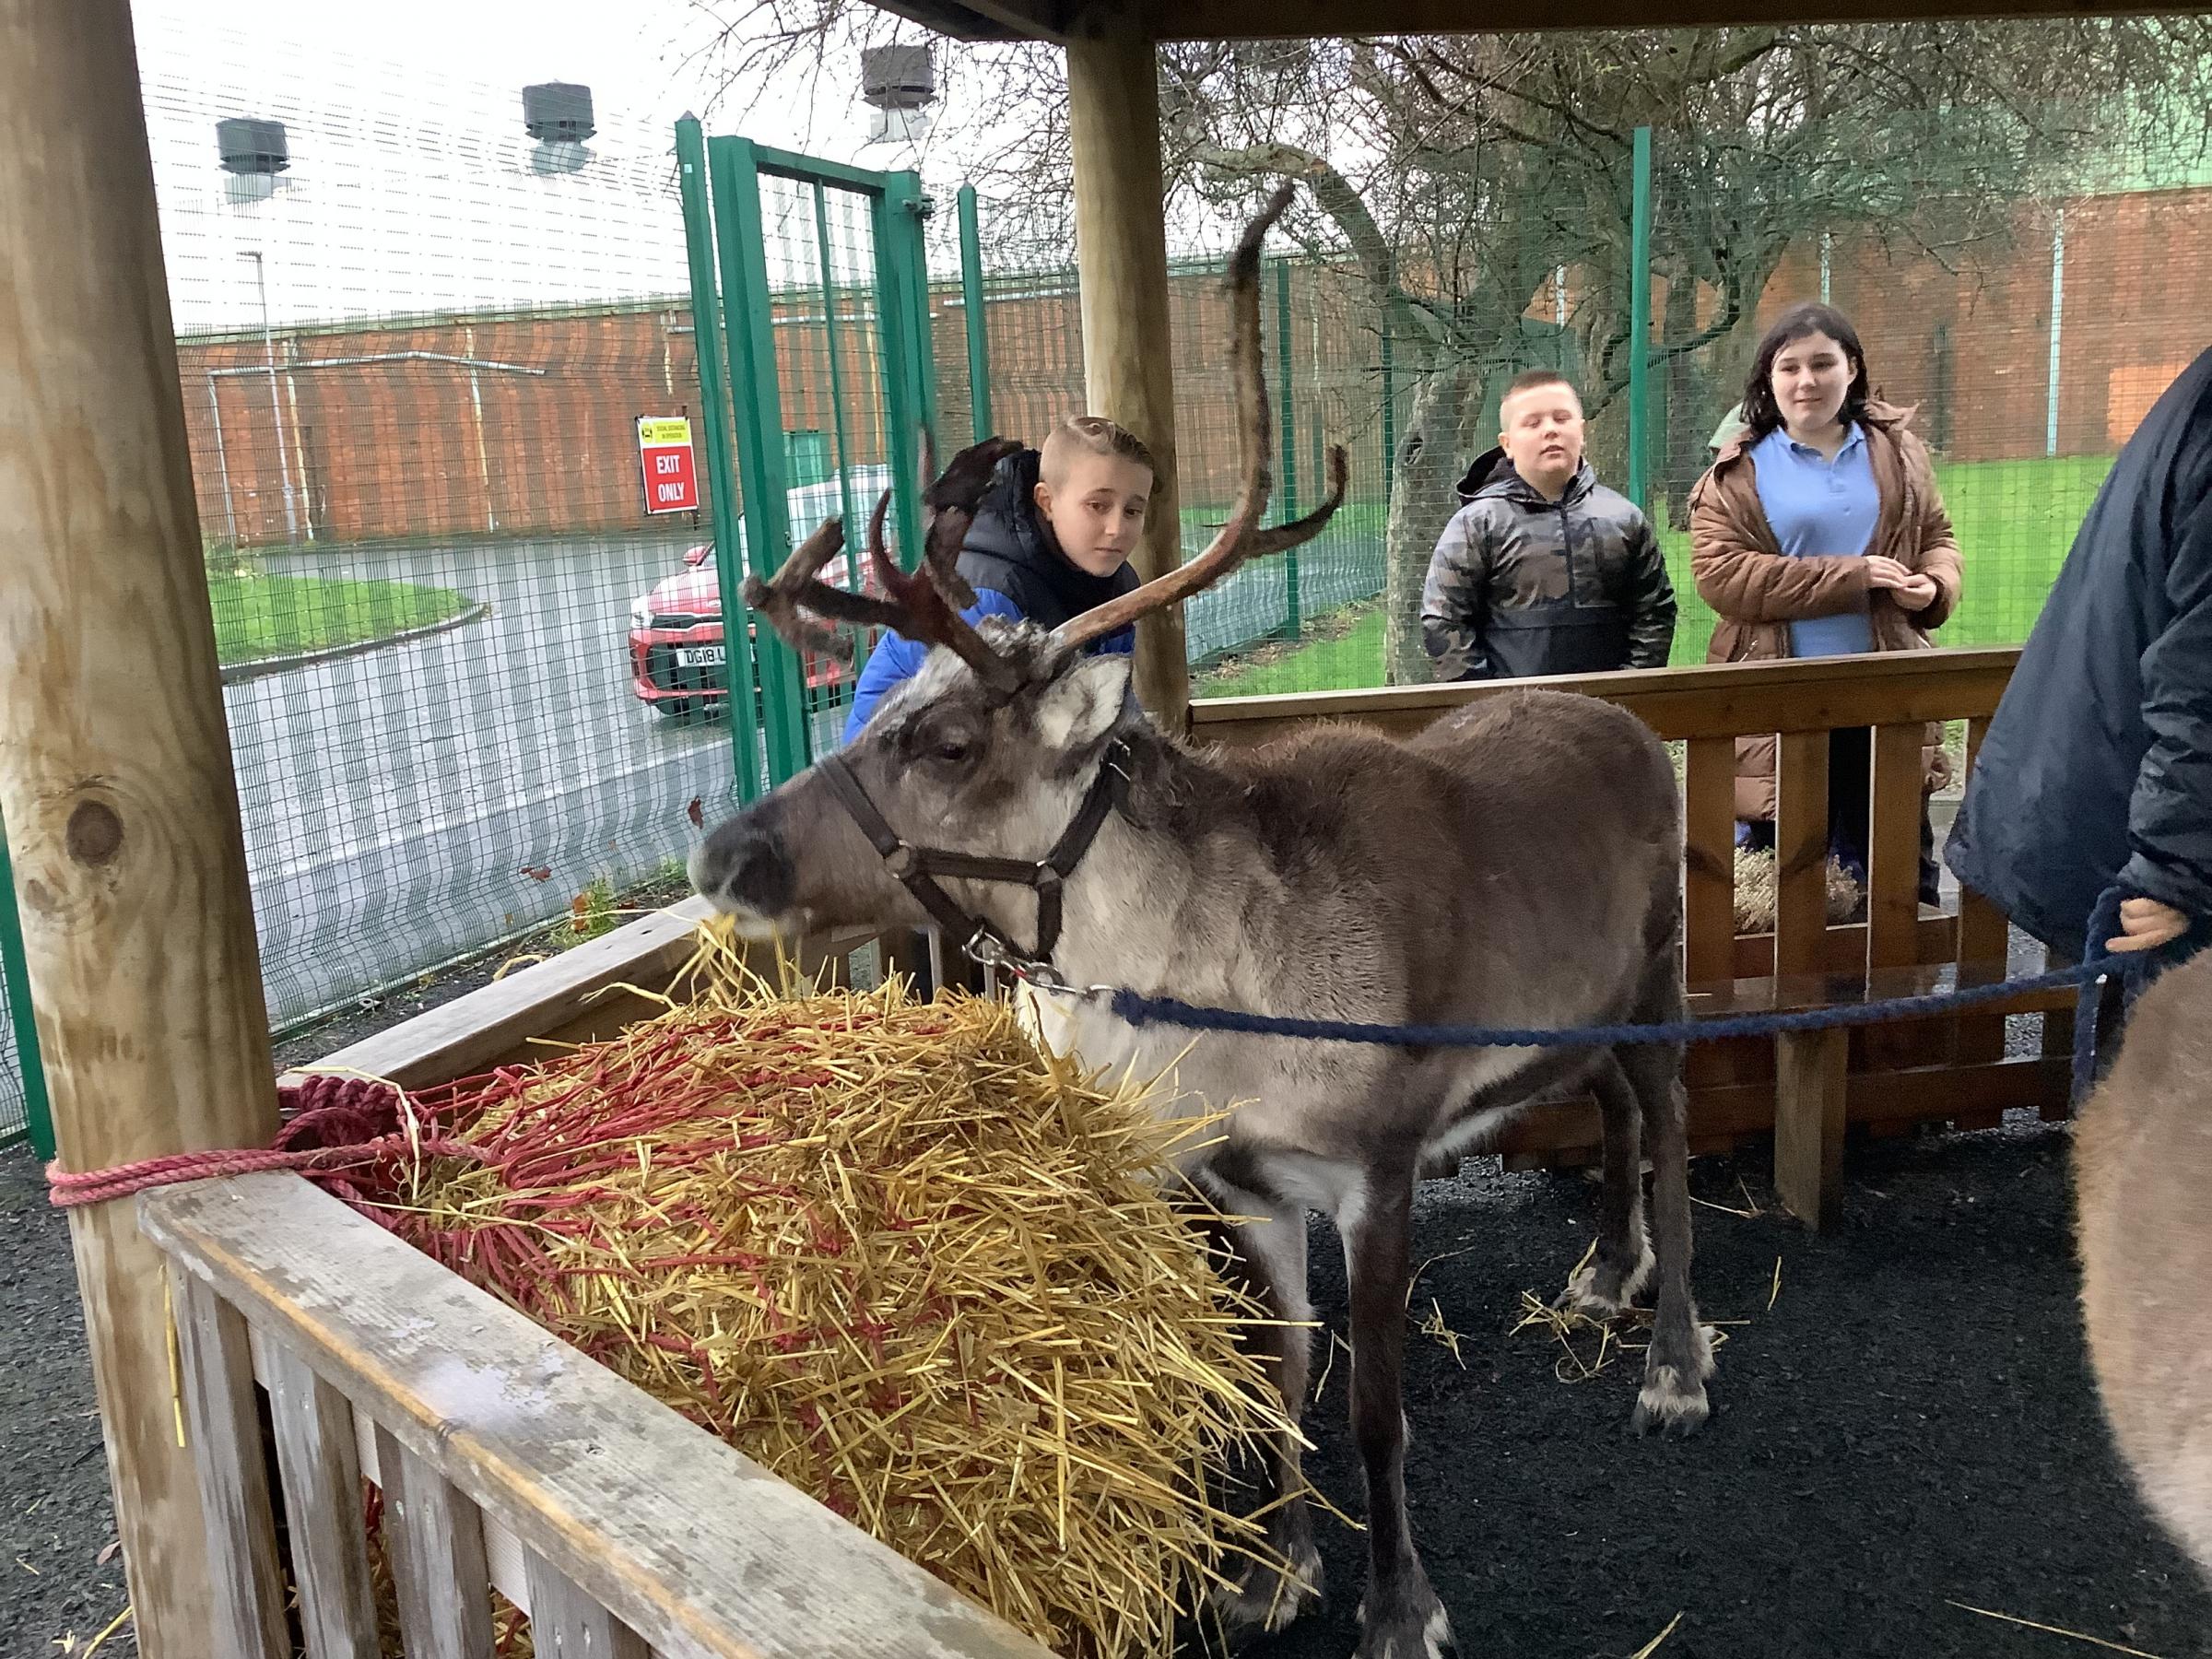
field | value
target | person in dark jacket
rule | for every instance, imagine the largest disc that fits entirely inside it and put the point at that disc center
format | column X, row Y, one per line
column 1051, row 540
column 1544, row 571
column 2097, row 770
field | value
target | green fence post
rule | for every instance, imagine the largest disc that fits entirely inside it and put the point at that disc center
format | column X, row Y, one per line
column 734, row 175
column 978, row 324
column 38, row 1115
column 1286, row 401
column 902, row 303
column 1639, row 315
column 854, row 561
column 844, row 459
column 1390, row 387
column 722, row 477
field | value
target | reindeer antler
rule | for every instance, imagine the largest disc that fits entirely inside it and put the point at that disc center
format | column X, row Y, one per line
column 924, row 600
column 1240, row 537
column 924, row 606
column 797, row 589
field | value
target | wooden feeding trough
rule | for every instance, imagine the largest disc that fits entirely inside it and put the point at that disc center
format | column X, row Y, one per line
column 505, row 1460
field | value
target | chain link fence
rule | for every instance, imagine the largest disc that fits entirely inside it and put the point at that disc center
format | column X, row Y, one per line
column 2028, row 309
column 418, row 326
column 474, row 687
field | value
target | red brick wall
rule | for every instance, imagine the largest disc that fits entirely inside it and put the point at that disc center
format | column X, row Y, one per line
column 1973, row 347
column 411, row 448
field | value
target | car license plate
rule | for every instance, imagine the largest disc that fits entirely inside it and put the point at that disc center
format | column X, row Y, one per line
column 699, row 656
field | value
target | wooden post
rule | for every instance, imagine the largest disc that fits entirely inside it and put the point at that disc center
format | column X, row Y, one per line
column 1122, row 254
column 1810, row 1067
column 114, row 759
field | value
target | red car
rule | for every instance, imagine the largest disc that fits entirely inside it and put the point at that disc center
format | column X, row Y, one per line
column 678, row 660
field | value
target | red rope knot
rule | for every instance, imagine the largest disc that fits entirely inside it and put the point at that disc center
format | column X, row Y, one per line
column 325, row 1110
column 334, row 1124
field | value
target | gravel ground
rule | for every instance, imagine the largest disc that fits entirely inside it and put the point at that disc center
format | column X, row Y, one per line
column 55, row 1519
column 1910, row 1423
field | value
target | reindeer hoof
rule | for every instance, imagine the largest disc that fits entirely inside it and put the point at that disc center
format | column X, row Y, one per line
column 1262, row 1599
column 1416, row 1628
column 1604, row 1289
column 1672, row 1403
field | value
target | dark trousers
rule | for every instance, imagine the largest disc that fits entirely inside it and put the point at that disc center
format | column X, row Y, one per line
column 1851, row 812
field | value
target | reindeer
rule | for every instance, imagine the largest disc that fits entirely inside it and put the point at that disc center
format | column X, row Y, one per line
column 2143, row 1164
column 1518, row 863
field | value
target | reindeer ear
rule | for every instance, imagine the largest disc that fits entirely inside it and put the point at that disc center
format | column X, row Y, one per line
column 1080, row 706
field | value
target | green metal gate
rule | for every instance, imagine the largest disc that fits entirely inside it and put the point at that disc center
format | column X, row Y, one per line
column 23, row 1108
column 809, row 297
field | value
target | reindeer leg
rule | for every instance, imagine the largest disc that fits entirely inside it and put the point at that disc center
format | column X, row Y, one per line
column 1400, row 1617
column 1623, row 1263
column 1267, row 1257
column 1681, row 1358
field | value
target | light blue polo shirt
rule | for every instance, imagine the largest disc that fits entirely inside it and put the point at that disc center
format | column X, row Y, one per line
column 1816, row 506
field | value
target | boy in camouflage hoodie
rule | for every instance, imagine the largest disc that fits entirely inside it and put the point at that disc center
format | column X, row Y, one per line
column 1544, row 571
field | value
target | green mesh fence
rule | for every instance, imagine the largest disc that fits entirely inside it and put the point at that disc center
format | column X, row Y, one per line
column 471, row 683
column 467, row 675
column 1326, row 361
column 2030, row 309
column 2030, row 331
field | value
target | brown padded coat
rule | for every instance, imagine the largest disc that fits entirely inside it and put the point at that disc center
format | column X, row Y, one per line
column 1758, row 590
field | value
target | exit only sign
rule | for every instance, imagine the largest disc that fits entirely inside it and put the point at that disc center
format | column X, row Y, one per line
column 664, row 459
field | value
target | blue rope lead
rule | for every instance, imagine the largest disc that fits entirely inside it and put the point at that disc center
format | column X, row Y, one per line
column 2134, row 970
column 1137, row 1010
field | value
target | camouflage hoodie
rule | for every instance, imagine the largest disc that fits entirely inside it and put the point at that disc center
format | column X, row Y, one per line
column 1520, row 586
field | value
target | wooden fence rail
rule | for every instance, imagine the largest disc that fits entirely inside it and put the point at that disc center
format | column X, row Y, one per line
column 1808, row 1088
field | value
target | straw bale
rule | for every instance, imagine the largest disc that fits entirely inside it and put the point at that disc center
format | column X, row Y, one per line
column 914, row 1264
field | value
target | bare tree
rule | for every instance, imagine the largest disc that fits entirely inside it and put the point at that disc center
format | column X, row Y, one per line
column 1460, row 173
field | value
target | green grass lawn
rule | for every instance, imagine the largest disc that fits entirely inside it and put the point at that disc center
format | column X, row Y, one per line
column 2015, row 521
column 1350, row 652
column 257, row 616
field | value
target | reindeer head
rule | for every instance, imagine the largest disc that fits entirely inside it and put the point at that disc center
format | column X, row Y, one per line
column 992, row 748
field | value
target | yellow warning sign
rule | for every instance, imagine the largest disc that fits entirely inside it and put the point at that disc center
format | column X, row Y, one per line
column 655, row 431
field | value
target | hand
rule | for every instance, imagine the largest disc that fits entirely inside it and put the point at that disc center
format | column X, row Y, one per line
column 1913, row 591
column 1916, row 592
column 2145, row 924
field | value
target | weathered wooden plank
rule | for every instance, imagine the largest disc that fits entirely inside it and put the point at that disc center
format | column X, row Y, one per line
column 434, row 1538
column 582, row 1467
column 1811, row 1105
column 1733, row 1111
column 1893, row 847
column 1714, row 700
column 1893, row 890
column 473, row 1032
column 1709, row 848
column 503, row 1557
column 566, row 1624
column 1709, row 882
column 225, row 1438
column 1801, row 852
column 1809, row 1068
column 317, row 1457
column 569, row 997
